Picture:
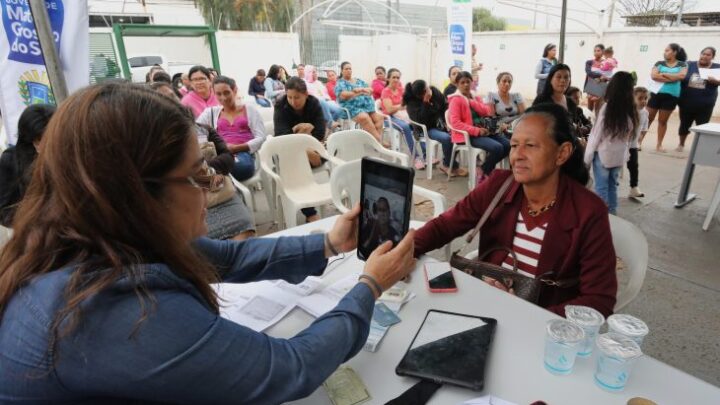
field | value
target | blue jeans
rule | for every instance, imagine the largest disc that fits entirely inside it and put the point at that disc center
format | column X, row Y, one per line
column 262, row 102
column 497, row 147
column 244, row 166
column 331, row 111
column 606, row 183
column 446, row 143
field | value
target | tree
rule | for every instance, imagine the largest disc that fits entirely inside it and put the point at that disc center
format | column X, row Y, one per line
column 483, row 20
column 248, row 15
column 648, row 13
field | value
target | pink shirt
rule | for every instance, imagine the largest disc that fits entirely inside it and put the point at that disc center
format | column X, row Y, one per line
column 377, row 88
column 235, row 133
column 197, row 104
column 331, row 89
column 395, row 99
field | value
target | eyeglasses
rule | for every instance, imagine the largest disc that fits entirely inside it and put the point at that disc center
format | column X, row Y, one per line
column 204, row 179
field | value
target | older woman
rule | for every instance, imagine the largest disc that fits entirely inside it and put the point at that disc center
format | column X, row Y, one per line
column 202, row 95
column 506, row 106
column 331, row 110
column 465, row 115
column 239, row 124
column 355, row 95
column 547, row 216
column 119, row 275
column 697, row 95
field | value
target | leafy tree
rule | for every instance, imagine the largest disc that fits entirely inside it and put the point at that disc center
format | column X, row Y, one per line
column 248, row 15
column 483, row 20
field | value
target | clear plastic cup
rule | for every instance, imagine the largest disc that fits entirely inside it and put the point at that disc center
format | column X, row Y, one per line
column 562, row 339
column 615, row 358
column 629, row 326
column 590, row 320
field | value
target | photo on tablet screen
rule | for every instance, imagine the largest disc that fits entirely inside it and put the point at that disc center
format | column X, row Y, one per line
column 385, row 194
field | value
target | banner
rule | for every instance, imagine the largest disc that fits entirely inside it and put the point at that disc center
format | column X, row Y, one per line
column 459, row 14
column 23, row 77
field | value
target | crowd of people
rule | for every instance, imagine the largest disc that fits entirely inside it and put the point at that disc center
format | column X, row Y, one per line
column 124, row 214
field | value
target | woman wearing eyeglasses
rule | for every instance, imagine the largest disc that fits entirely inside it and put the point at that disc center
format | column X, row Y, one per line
column 105, row 292
column 505, row 105
column 202, row 95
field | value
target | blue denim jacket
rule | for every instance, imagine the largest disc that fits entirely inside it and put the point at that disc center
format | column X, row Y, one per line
column 182, row 353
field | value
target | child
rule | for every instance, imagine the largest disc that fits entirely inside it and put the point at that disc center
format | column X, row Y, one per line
column 641, row 95
column 607, row 147
column 608, row 65
column 581, row 123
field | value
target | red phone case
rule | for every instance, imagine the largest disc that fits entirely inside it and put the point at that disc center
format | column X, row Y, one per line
column 438, row 290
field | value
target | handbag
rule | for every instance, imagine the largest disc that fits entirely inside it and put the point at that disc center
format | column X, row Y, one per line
column 227, row 191
column 595, row 87
column 527, row 288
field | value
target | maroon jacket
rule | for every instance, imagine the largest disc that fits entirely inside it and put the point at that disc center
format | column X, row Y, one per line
column 577, row 241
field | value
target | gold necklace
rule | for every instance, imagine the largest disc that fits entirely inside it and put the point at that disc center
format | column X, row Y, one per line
column 534, row 213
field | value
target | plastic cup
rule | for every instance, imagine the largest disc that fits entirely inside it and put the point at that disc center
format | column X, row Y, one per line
column 590, row 320
column 562, row 339
column 615, row 358
column 629, row 326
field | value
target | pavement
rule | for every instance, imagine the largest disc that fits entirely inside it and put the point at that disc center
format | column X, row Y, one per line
column 680, row 297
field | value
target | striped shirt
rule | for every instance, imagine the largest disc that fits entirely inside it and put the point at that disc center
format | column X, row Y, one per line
column 527, row 245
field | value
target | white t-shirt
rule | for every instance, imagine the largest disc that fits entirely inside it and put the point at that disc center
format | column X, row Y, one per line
column 643, row 124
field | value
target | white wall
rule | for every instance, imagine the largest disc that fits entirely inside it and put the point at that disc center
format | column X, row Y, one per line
column 408, row 53
column 242, row 53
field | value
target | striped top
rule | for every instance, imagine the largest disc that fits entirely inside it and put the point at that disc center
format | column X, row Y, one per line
column 527, row 244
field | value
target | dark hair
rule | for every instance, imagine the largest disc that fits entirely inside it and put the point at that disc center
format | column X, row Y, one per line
column 199, row 68
column 101, row 147
column 561, row 130
column 177, row 80
column 463, row 75
column 619, row 106
column 547, row 49
column 225, row 80
column 640, row 90
column 260, row 72
column 680, row 53
column 601, row 46
column 297, row 84
column 31, row 126
column 572, row 90
column 274, row 72
column 381, row 68
column 389, row 73
column 157, row 85
column 451, row 69
column 161, row 76
column 712, row 49
column 547, row 91
column 300, row 65
column 500, row 76
column 414, row 91
column 342, row 65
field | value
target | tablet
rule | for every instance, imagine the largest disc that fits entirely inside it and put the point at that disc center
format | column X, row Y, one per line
column 450, row 348
column 385, row 200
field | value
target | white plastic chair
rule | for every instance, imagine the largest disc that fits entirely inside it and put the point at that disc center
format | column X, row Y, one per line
column 397, row 138
column 631, row 246
column 356, row 144
column 473, row 154
column 283, row 159
column 431, row 146
column 714, row 205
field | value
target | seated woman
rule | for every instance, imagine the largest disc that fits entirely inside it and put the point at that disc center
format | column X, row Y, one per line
column 274, row 83
column 451, row 88
column 391, row 103
column 506, row 106
column 331, row 110
column 300, row 113
column 555, row 89
column 256, row 89
column 119, row 274
column 548, row 216
column 355, row 95
column 426, row 105
column 240, row 126
column 202, row 96
column 226, row 218
column 465, row 115
column 17, row 161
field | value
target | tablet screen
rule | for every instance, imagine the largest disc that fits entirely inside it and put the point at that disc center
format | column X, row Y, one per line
column 450, row 348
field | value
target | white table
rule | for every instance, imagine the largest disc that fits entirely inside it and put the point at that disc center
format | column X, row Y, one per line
column 515, row 369
column 705, row 151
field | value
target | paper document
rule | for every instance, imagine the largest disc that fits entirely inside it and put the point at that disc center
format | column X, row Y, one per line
column 326, row 298
column 344, row 387
column 654, row 86
column 705, row 73
column 487, row 400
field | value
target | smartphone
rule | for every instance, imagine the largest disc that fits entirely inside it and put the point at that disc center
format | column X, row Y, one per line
column 385, row 202
column 439, row 278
